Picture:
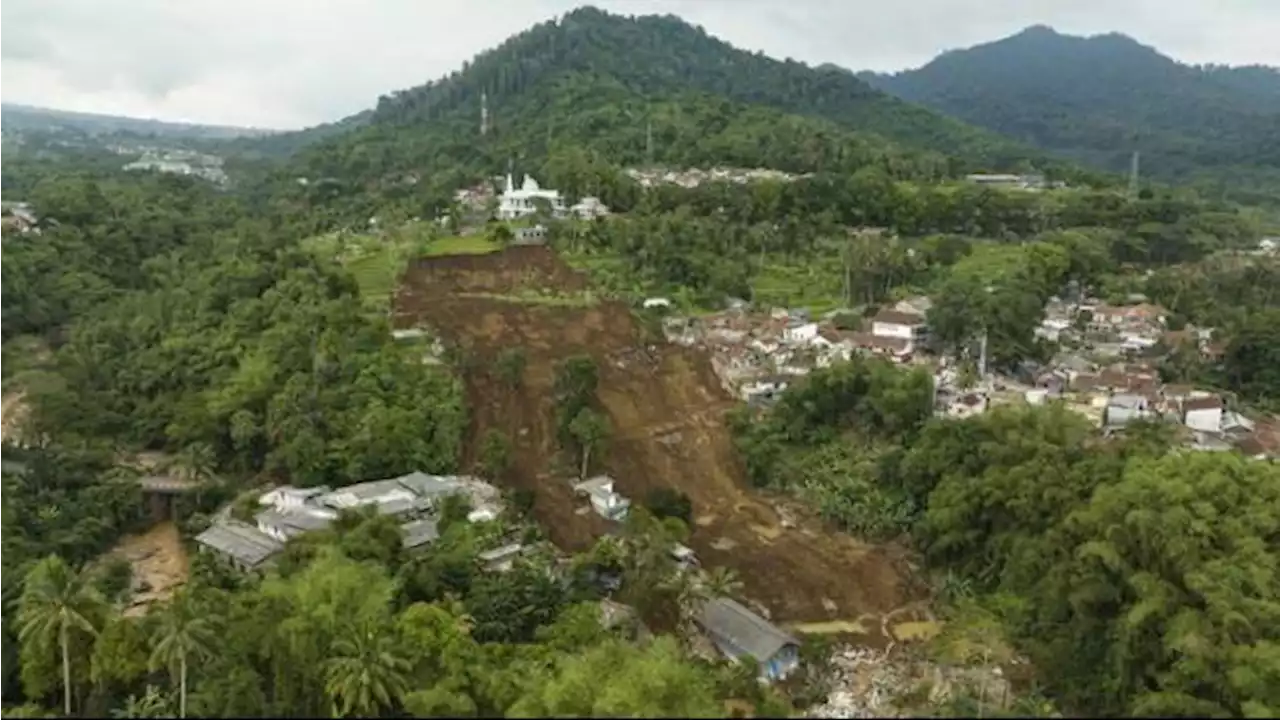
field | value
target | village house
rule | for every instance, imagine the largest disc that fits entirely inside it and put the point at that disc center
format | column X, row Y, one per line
column 604, row 500
column 239, row 544
column 1123, row 408
column 501, row 559
column 589, row 208
column 737, row 633
column 19, row 216
column 967, row 405
column 534, row 235
column 901, row 325
column 522, row 202
column 1203, row 413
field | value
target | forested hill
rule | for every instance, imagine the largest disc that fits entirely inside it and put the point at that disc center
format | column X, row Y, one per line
column 599, row 80
column 1100, row 98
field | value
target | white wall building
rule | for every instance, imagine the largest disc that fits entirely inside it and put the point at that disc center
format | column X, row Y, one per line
column 800, row 332
column 523, row 202
column 1203, row 414
column 898, row 324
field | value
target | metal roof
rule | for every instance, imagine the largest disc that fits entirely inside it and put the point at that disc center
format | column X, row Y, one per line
column 300, row 521
column 242, row 542
column 420, row 532
column 729, row 621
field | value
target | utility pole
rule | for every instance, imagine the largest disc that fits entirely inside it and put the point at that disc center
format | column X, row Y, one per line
column 1133, row 175
column 648, row 142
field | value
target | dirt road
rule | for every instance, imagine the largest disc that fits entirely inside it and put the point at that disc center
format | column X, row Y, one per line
column 159, row 563
column 667, row 411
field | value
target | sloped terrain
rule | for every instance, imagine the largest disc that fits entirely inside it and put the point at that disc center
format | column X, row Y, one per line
column 667, row 412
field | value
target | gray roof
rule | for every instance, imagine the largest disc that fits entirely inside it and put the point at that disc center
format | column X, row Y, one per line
column 501, row 553
column 729, row 621
column 429, row 485
column 597, row 484
column 299, row 521
column 242, row 542
column 1128, row 401
column 399, row 506
column 420, row 532
column 372, row 490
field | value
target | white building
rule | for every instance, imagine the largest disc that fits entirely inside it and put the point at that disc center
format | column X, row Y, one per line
column 524, row 202
column 800, row 332
column 1203, row 413
column 604, row 500
column 589, row 208
column 897, row 324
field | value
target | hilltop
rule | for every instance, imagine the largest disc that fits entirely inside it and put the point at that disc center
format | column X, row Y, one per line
column 1097, row 99
column 677, row 95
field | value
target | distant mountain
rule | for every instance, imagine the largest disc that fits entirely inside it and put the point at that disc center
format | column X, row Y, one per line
column 1098, row 99
column 675, row 96
column 25, row 118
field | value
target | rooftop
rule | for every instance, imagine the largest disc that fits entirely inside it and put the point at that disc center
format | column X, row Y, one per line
column 242, row 542
column 730, row 621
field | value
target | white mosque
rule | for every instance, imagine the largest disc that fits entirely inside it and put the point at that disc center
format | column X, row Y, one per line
column 520, row 203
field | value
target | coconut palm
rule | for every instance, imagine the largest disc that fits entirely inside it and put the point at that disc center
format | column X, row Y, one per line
column 721, row 582
column 153, row 704
column 195, row 463
column 366, row 672
column 185, row 634
column 58, row 601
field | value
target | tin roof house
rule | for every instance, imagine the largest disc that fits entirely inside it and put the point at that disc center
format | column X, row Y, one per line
column 737, row 633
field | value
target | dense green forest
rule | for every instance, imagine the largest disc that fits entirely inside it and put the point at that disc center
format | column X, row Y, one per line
column 1099, row 99
column 160, row 313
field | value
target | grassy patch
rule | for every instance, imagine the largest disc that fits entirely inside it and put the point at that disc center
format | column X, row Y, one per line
column 816, row 285
column 460, row 245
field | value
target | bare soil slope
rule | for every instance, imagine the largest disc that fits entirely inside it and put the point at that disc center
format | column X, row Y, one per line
column 667, row 410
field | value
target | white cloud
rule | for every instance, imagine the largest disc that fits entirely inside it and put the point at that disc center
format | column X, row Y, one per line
column 288, row 63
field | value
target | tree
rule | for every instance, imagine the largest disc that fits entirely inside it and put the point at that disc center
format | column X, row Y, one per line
column 186, row 633
column 722, row 581
column 669, row 502
column 590, row 429
column 57, row 603
column 510, row 365
column 366, row 672
column 495, row 454
column 196, row 463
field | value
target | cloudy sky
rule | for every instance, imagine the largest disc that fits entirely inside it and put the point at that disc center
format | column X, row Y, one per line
column 291, row 63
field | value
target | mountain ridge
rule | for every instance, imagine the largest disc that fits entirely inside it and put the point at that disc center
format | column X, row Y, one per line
column 1098, row 99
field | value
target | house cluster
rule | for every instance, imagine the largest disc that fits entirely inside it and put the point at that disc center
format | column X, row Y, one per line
column 287, row 512
column 694, row 177
column 19, row 216
column 181, row 162
column 1013, row 182
column 756, row 356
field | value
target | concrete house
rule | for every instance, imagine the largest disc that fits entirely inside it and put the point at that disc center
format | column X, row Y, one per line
column 501, row 559
column 901, row 325
column 239, row 544
column 800, row 331
column 1123, row 408
column 284, row 525
column 607, row 503
column 1203, row 413
column 536, row 235
column 737, row 633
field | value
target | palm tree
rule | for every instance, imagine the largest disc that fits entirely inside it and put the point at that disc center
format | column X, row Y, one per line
column 57, row 601
column 185, row 634
column 366, row 672
column 152, row 705
column 196, row 463
column 721, row 582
